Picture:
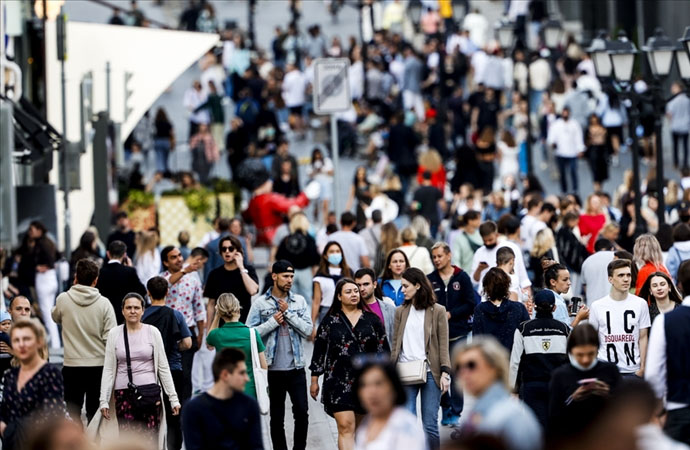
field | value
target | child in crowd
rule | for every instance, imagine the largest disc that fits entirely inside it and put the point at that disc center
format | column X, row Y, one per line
column 5, row 325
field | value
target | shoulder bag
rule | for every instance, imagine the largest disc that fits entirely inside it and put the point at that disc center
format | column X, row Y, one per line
column 143, row 396
column 412, row 372
column 260, row 376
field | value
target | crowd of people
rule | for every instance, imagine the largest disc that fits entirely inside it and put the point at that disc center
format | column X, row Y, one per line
column 452, row 275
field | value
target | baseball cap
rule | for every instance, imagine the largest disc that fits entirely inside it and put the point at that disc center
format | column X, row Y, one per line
column 282, row 266
column 545, row 298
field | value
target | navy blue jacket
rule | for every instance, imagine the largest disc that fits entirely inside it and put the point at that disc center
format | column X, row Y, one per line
column 677, row 358
column 499, row 321
column 458, row 298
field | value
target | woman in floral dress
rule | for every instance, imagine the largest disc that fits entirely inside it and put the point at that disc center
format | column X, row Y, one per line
column 348, row 329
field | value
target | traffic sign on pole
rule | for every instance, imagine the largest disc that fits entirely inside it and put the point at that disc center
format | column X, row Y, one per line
column 332, row 95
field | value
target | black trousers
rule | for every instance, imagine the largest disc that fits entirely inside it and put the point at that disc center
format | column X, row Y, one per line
column 184, row 392
column 293, row 383
column 80, row 383
column 173, row 422
column 678, row 424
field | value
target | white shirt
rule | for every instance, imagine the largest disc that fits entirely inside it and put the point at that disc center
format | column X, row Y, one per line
column 483, row 254
column 679, row 109
column 402, row 431
column 327, row 286
column 294, row 87
column 478, row 27
column 419, row 257
column 413, row 345
column 540, row 74
column 192, row 99
column 148, row 266
column 619, row 323
column 594, row 276
column 525, row 225
column 567, row 136
column 655, row 369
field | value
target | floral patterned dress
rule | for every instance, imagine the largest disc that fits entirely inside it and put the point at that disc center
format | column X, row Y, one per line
column 335, row 344
column 41, row 399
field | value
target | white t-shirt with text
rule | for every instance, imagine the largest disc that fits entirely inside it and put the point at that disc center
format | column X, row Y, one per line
column 619, row 323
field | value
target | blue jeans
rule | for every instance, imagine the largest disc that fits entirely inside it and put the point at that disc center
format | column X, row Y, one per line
column 162, row 148
column 431, row 400
column 454, row 402
column 567, row 165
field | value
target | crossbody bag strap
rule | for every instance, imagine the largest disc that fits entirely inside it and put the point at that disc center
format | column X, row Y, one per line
column 129, row 361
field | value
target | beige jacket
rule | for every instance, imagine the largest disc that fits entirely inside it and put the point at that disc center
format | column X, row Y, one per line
column 101, row 429
column 435, row 338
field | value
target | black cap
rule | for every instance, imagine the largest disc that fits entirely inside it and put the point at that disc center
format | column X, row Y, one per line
column 544, row 297
column 282, row 266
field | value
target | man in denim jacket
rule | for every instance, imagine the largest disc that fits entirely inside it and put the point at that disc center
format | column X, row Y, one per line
column 283, row 320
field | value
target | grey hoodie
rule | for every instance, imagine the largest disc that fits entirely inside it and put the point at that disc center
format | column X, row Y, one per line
column 86, row 317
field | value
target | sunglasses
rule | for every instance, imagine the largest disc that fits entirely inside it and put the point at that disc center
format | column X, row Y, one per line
column 469, row 366
column 227, row 249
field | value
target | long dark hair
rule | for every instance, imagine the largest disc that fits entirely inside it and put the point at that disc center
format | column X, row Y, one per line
column 387, row 273
column 345, row 270
column 337, row 305
column 646, row 290
column 425, row 296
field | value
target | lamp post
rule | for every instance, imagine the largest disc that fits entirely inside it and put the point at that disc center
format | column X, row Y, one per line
column 659, row 50
column 553, row 31
column 622, row 56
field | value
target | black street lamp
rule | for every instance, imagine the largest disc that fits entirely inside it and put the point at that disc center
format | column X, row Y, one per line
column 621, row 53
column 553, row 32
column 659, row 50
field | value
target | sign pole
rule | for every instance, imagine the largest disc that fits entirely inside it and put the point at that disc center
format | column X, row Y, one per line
column 336, row 164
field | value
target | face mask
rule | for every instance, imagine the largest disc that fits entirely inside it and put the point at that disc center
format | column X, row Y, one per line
column 491, row 246
column 578, row 366
column 335, row 258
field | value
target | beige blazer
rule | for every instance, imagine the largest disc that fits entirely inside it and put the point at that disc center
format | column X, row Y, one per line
column 103, row 430
column 435, row 338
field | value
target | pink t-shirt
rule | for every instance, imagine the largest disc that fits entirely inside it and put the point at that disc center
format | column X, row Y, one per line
column 141, row 354
column 376, row 309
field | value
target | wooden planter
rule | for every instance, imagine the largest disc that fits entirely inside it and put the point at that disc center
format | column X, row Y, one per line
column 174, row 216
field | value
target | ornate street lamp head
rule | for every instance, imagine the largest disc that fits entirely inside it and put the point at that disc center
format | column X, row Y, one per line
column 552, row 33
column 622, row 52
column 659, row 50
column 505, row 32
column 598, row 52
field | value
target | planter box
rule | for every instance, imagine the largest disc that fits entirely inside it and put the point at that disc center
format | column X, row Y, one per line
column 174, row 216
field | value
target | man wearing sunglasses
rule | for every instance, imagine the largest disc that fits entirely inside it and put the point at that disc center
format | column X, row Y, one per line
column 232, row 277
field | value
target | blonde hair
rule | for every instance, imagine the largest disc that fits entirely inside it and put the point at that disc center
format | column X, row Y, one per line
column 647, row 250
column 35, row 326
column 543, row 241
column 431, row 160
column 228, row 306
column 492, row 351
column 421, row 226
column 588, row 203
column 299, row 222
column 146, row 242
column 672, row 194
column 408, row 235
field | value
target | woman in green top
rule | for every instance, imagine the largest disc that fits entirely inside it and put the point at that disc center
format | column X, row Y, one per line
column 235, row 334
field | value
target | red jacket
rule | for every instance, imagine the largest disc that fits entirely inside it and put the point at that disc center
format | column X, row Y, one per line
column 266, row 212
column 438, row 178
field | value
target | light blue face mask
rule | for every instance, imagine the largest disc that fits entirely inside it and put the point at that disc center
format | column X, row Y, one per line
column 335, row 258
column 579, row 366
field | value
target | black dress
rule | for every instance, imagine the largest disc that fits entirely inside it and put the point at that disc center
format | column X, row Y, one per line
column 335, row 344
column 41, row 399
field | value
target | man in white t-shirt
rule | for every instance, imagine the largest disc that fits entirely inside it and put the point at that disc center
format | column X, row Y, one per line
column 294, row 94
column 353, row 245
column 622, row 320
column 595, row 283
column 485, row 257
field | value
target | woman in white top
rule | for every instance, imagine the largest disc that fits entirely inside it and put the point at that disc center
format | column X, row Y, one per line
column 120, row 410
column 321, row 170
column 421, row 334
column 147, row 260
column 387, row 425
column 332, row 268
column 417, row 256
column 508, row 155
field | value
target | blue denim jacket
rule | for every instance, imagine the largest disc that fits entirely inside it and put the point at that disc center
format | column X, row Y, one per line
column 298, row 317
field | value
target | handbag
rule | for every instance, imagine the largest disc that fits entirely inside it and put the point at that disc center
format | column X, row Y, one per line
column 260, row 376
column 143, row 396
column 412, row 372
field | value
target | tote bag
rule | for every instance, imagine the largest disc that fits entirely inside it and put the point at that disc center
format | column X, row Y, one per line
column 260, row 376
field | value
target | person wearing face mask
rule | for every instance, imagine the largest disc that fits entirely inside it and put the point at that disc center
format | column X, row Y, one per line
column 578, row 390
column 485, row 257
column 391, row 278
column 332, row 267
column 349, row 329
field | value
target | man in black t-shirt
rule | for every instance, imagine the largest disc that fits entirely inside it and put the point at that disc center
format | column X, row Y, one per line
column 428, row 201
column 232, row 277
column 124, row 233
